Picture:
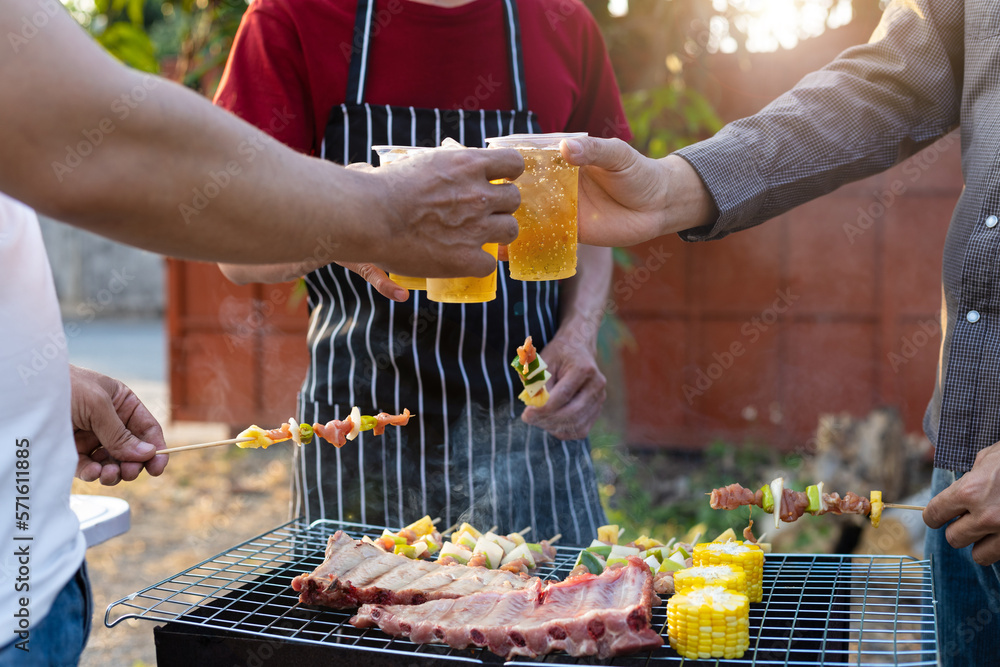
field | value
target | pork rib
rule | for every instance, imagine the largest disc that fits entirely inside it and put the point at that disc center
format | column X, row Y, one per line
column 357, row 572
column 585, row 615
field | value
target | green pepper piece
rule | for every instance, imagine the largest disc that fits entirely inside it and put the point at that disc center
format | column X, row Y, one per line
column 812, row 492
column 305, row 433
column 591, row 561
column 368, row 423
column 767, row 499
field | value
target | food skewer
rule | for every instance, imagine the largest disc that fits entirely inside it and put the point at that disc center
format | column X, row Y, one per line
column 897, row 506
column 204, row 445
column 787, row 505
column 335, row 431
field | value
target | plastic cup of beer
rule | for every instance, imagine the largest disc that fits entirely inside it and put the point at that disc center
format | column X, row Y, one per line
column 465, row 290
column 545, row 248
column 386, row 155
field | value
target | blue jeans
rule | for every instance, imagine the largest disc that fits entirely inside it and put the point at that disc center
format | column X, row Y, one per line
column 968, row 595
column 58, row 639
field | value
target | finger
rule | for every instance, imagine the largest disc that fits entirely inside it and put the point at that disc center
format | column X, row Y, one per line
column 502, row 163
column 111, row 474
column 378, row 279
column 500, row 228
column 573, row 421
column 987, row 550
column 944, row 507
column 144, row 426
column 156, row 465
column 502, row 254
column 87, row 469
column 130, row 470
column 565, row 388
column 963, row 531
column 110, row 431
column 480, row 264
column 610, row 154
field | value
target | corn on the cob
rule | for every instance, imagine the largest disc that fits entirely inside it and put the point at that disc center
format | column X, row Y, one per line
column 730, row 577
column 709, row 622
column 748, row 556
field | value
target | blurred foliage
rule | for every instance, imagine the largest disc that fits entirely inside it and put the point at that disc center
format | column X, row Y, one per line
column 186, row 40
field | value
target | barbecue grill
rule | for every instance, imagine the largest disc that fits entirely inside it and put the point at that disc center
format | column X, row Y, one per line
column 238, row 608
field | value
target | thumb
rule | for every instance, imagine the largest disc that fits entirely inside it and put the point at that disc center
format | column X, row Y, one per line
column 120, row 443
column 610, row 154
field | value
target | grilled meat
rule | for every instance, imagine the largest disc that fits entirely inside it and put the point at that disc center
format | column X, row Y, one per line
column 586, row 615
column 357, row 572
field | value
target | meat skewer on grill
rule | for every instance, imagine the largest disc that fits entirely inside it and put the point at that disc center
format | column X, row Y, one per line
column 335, row 431
column 788, row 505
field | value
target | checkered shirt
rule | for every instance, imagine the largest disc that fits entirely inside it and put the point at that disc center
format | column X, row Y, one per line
column 921, row 75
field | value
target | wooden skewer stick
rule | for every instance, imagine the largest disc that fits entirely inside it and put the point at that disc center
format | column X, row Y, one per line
column 205, row 445
column 436, row 520
column 524, row 531
column 450, row 530
column 492, row 529
column 905, row 507
column 555, row 538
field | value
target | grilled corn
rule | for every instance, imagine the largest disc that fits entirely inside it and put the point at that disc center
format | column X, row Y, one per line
column 748, row 556
column 730, row 577
column 710, row 622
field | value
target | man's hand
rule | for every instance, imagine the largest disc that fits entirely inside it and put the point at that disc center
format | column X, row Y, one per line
column 442, row 209
column 378, row 279
column 116, row 436
column 627, row 198
column 576, row 391
column 975, row 500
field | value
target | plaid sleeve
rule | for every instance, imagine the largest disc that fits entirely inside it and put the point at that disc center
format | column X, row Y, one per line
column 872, row 107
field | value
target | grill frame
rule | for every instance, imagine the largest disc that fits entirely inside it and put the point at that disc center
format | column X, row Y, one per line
column 817, row 609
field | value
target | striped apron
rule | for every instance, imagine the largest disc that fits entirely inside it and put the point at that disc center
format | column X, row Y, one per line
column 466, row 456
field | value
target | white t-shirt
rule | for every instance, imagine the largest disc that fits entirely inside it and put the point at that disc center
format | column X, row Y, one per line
column 37, row 453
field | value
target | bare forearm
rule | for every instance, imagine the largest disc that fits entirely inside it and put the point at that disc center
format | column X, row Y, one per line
column 147, row 162
column 242, row 274
column 585, row 295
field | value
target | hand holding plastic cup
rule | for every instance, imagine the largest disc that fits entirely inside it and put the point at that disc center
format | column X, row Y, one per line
column 387, row 155
column 545, row 248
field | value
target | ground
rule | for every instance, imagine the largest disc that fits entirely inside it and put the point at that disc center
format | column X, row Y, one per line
column 206, row 501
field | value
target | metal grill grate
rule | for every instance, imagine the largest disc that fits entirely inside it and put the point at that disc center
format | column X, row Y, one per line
column 817, row 609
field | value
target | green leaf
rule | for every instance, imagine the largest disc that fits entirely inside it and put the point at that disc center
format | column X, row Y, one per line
column 131, row 45
column 135, row 12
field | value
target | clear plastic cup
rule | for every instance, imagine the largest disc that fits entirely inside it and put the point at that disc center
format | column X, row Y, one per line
column 465, row 290
column 545, row 248
column 386, row 155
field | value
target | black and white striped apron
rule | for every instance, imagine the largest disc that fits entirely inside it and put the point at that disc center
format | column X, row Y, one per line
column 466, row 455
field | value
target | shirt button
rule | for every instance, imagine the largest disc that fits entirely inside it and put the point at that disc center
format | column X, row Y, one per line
column 992, row 221
column 972, row 316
